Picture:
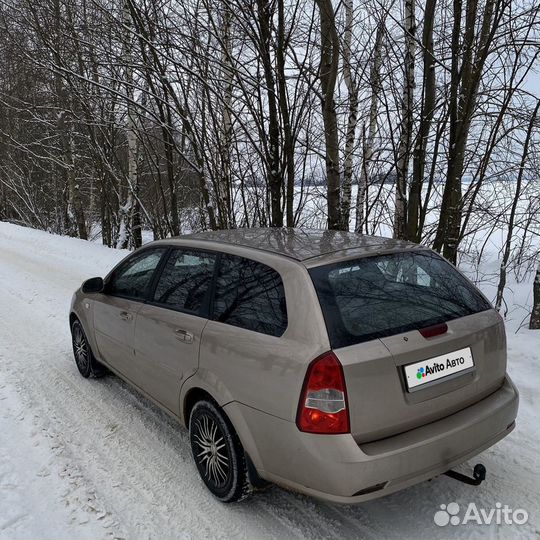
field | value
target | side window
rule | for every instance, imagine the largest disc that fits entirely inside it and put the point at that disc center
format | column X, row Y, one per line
column 250, row 295
column 185, row 281
column 133, row 278
column 406, row 271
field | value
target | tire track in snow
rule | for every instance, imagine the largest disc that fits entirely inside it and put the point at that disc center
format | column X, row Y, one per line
column 271, row 519
column 133, row 462
column 285, row 514
column 120, row 438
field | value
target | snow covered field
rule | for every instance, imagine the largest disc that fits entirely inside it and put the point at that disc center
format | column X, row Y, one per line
column 93, row 459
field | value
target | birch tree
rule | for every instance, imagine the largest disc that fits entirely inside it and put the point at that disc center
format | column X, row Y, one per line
column 368, row 135
column 352, row 119
column 413, row 228
column 180, row 116
column 407, row 125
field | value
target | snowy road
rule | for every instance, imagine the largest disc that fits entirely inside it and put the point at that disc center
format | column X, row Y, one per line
column 94, row 459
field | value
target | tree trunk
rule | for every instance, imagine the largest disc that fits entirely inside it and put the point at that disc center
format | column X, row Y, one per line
column 453, row 115
column 367, row 150
column 104, row 187
column 402, row 163
column 74, row 187
column 462, row 102
column 328, row 70
column 74, row 211
column 534, row 323
column 511, row 219
column 224, row 186
column 275, row 177
column 169, row 143
column 352, row 120
column 288, row 142
column 413, row 231
column 128, row 237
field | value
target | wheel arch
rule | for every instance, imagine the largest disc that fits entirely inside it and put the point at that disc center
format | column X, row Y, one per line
column 85, row 319
column 236, row 420
column 72, row 318
column 192, row 396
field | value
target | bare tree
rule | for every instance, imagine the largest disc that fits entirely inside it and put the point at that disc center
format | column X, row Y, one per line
column 464, row 88
column 511, row 218
column 328, row 72
column 352, row 120
column 407, row 124
column 368, row 138
column 178, row 116
column 413, row 229
column 534, row 323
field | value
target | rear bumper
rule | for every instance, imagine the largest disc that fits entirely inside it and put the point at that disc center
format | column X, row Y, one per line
column 337, row 469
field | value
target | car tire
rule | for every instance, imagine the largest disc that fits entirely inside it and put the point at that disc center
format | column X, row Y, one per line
column 218, row 453
column 85, row 360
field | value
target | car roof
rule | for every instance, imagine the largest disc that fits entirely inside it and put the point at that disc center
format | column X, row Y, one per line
column 301, row 244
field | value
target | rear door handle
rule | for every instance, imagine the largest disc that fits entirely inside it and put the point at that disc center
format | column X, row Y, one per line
column 183, row 335
column 126, row 316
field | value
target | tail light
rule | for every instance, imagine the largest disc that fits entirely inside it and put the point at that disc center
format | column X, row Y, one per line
column 323, row 402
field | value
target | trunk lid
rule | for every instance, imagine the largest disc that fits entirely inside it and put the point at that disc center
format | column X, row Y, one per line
column 377, row 308
column 380, row 402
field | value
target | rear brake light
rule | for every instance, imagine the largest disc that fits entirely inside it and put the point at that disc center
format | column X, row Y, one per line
column 436, row 330
column 323, row 402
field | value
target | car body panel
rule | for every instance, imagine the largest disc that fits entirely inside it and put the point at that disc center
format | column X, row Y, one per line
column 262, row 370
column 299, row 244
column 82, row 308
column 336, row 468
column 166, row 351
column 114, row 327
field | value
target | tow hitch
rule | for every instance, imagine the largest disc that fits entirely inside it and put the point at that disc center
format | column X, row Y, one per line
column 479, row 475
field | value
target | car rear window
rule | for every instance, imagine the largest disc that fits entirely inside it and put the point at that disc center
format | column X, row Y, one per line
column 379, row 296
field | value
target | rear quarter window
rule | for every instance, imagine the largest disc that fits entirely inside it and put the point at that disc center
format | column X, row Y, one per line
column 379, row 296
column 250, row 295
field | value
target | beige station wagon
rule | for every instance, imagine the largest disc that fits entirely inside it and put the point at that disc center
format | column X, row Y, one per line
column 341, row 366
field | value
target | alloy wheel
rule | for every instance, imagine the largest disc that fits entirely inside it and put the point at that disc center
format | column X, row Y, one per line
column 80, row 348
column 211, row 451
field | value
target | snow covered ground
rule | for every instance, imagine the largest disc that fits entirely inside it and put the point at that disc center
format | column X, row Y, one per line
column 89, row 459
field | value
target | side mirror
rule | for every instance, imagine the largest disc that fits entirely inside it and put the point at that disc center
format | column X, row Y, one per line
column 93, row 285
